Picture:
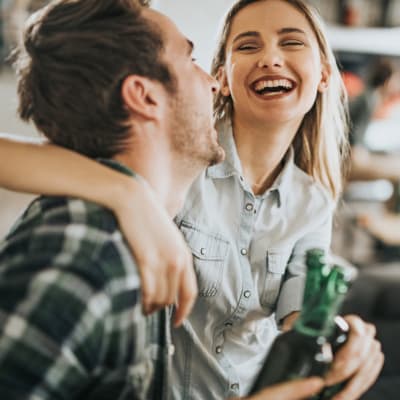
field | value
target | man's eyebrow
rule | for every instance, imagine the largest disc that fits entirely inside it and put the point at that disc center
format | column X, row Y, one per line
column 246, row 34
column 290, row 30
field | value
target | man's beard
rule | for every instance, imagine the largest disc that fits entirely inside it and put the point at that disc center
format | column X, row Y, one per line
column 192, row 136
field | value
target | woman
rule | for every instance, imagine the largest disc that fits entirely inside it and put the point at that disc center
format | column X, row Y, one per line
column 250, row 219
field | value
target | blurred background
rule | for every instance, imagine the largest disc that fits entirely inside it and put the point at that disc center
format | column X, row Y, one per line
column 365, row 35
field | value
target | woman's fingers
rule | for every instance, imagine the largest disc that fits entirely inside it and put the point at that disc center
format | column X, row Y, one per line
column 293, row 390
column 365, row 377
column 358, row 362
column 162, row 256
column 187, row 294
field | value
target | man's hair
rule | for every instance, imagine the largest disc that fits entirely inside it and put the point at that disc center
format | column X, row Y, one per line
column 74, row 59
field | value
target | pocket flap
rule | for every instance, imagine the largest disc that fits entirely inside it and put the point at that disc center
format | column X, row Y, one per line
column 277, row 260
column 205, row 246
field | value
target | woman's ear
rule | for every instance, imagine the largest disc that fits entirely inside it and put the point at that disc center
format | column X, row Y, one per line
column 325, row 77
column 141, row 95
column 223, row 82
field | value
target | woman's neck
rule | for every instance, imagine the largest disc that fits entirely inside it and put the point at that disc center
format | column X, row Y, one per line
column 261, row 149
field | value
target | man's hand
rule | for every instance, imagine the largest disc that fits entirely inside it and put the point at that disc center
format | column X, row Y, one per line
column 293, row 390
column 360, row 360
column 162, row 255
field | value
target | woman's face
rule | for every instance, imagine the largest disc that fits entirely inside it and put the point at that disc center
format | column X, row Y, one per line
column 273, row 68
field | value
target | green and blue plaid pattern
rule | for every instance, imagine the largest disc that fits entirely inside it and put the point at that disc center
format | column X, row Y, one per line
column 71, row 324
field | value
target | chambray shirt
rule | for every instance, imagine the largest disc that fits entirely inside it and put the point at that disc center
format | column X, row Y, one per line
column 249, row 259
column 71, row 325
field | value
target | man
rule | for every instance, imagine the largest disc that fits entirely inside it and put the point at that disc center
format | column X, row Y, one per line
column 115, row 81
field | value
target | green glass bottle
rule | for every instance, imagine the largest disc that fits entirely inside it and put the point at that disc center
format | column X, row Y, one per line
column 305, row 350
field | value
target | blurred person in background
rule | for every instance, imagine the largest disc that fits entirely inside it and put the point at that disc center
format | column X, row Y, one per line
column 375, row 294
column 381, row 93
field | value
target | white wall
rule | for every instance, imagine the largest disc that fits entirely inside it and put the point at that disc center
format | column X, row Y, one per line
column 199, row 21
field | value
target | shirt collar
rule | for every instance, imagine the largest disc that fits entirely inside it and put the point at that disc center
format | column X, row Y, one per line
column 232, row 165
column 284, row 181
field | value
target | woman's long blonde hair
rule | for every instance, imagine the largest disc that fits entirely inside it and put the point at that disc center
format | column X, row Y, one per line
column 321, row 144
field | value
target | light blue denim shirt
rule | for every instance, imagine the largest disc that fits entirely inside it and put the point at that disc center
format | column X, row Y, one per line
column 249, row 259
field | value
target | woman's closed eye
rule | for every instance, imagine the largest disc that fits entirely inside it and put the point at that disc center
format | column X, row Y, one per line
column 247, row 47
column 292, row 43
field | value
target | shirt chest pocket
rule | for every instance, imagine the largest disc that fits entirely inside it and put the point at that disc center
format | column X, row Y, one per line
column 209, row 256
column 275, row 267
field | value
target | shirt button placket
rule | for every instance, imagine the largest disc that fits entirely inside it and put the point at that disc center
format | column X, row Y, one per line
column 235, row 387
column 249, row 207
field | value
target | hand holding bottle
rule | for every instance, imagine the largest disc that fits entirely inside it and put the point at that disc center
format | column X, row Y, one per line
column 360, row 359
column 294, row 390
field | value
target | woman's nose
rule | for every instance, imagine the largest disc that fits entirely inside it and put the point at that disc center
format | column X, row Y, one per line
column 270, row 58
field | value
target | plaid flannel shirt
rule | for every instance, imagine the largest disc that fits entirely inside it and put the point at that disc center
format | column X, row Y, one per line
column 71, row 325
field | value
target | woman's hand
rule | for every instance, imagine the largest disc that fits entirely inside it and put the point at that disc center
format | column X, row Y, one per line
column 162, row 255
column 294, row 390
column 359, row 361
column 163, row 258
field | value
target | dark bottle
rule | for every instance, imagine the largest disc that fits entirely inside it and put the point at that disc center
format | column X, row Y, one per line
column 305, row 350
column 337, row 340
column 395, row 200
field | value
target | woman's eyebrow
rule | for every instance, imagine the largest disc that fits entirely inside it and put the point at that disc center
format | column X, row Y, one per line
column 290, row 30
column 246, row 34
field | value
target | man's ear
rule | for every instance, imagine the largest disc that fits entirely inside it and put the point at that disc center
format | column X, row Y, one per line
column 223, row 82
column 142, row 96
column 325, row 77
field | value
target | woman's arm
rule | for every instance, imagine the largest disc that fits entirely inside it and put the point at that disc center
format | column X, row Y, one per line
column 35, row 166
column 163, row 258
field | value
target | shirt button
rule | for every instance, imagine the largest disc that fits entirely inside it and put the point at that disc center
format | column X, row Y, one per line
column 243, row 252
column 247, row 294
column 202, row 251
column 235, row 386
column 218, row 349
column 249, row 207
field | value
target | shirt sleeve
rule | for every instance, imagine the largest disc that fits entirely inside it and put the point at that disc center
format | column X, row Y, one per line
column 291, row 294
column 51, row 333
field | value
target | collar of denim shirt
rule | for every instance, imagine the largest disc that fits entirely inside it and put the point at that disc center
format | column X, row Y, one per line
column 232, row 166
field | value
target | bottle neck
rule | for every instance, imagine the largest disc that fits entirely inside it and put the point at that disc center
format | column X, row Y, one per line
column 320, row 307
